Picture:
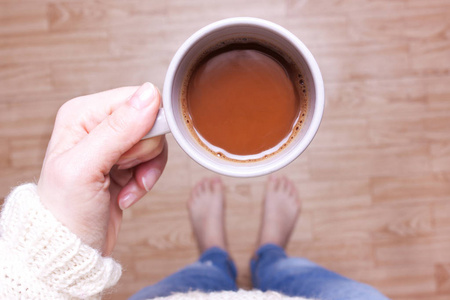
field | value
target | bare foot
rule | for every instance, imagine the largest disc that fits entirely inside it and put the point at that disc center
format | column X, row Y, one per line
column 206, row 210
column 280, row 213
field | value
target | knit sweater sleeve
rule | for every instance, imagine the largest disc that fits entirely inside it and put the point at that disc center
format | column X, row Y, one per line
column 42, row 259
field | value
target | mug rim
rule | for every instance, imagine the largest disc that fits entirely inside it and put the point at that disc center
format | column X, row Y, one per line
column 249, row 170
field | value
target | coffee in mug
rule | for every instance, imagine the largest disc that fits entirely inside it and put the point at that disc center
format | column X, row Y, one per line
column 243, row 100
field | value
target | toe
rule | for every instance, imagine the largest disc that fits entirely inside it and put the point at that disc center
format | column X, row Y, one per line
column 284, row 184
column 290, row 187
column 197, row 189
column 216, row 185
column 292, row 190
column 277, row 183
column 271, row 183
column 209, row 185
column 204, row 185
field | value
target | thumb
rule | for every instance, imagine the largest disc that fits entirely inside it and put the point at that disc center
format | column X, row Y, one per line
column 120, row 131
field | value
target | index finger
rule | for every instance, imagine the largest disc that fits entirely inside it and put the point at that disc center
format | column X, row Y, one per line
column 89, row 111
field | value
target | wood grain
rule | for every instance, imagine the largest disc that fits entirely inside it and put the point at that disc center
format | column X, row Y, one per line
column 375, row 182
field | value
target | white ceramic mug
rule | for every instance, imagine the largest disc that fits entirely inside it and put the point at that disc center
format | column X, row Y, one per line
column 170, row 118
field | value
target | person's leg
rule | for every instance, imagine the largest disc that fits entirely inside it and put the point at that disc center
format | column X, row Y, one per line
column 273, row 270
column 214, row 271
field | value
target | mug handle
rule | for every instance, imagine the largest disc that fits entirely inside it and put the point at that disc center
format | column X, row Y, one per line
column 160, row 127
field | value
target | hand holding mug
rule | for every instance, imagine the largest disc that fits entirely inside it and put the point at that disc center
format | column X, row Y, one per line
column 96, row 163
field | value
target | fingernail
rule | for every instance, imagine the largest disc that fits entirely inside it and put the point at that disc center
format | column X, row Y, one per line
column 127, row 201
column 150, row 178
column 143, row 96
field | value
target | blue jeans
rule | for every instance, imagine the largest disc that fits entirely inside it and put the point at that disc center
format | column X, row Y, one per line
column 271, row 270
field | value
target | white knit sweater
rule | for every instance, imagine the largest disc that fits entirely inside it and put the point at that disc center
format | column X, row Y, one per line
column 41, row 259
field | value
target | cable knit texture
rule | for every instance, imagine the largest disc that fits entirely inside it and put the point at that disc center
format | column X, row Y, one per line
column 42, row 259
column 239, row 295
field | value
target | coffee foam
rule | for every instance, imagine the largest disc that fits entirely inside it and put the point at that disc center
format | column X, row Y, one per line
column 296, row 78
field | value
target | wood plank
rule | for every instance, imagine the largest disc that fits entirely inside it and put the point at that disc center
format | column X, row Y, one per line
column 380, row 98
column 4, row 153
column 360, row 61
column 408, row 190
column 28, row 152
column 75, row 15
column 440, row 156
column 426, row 250
column 398, row 160
column 334, row 7
column 427, row 57
column 328, row 195
column 342, row 133
column 407, row 23
column 442, row 273
column 386, row 222
column 345, row 256
column 19, row 18
column 374, row 183
column 13, row 77
column 103, row 74
column 45, row 47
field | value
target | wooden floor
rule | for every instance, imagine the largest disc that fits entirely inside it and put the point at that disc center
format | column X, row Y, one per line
column 375, row 183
